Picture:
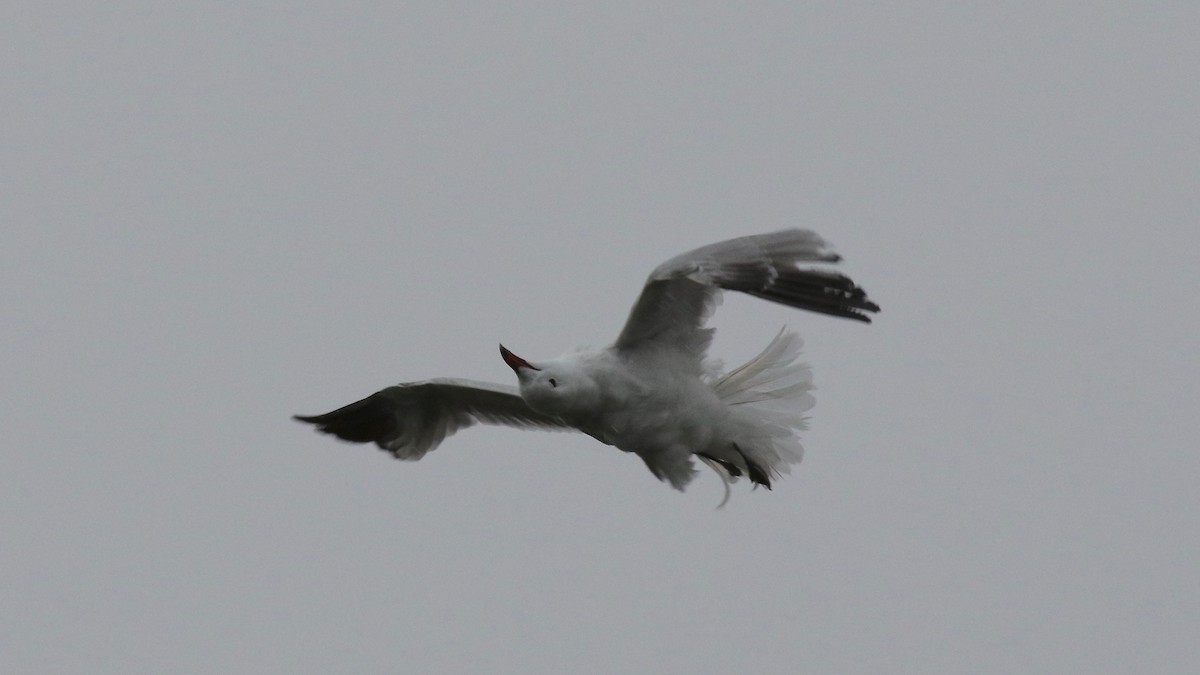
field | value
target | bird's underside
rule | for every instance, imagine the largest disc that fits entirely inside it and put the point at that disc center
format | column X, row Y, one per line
column 664, row 335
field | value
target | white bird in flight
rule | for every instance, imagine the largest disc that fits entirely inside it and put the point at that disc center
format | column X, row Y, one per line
column 653, row 392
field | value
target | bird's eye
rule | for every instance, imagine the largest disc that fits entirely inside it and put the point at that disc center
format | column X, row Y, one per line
column 553, row 383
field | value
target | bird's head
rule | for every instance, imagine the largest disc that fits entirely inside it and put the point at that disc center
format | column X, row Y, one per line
column 559, row 387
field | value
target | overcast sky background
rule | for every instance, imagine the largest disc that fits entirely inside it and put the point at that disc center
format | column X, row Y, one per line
column 217, row 215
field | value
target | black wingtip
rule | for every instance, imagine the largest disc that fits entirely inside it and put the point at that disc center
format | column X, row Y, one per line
column 365, row 421
column 819, row 291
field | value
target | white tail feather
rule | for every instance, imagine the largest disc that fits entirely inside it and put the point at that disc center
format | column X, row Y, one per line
column 771, row 374
column 770, row 393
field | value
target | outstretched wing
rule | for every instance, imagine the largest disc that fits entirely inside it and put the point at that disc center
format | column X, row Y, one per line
column 681, row 293
column 408, row 420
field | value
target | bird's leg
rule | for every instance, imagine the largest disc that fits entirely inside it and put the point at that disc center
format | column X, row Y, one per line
column 757, row 475
column 730, row 467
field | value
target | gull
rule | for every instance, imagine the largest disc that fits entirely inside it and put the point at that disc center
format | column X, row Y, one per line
column 654, row 392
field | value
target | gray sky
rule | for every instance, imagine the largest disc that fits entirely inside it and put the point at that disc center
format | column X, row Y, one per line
column 216, row 216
